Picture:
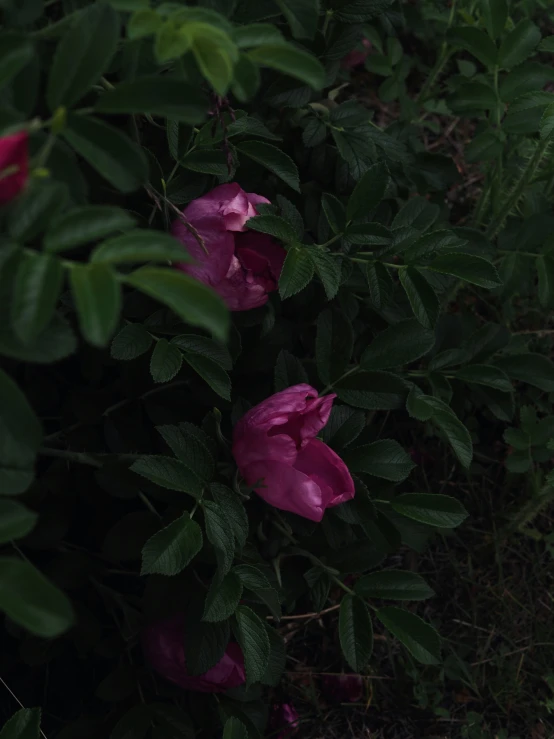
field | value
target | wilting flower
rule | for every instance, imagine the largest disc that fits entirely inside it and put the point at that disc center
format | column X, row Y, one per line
column 357, row 56
column 277, row 453
column 14, row 164
column 284, row 718
column 163, row 646
column 242, row 266
column 343, row 688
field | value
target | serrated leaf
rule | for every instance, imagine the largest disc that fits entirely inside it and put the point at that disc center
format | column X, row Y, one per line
column 205, row 645
column 254, row 641
column 38, row 282
column 368, row 192
column 545, row 272
column 168, row 473
column 475, row 41
column 274, row 226
column 84, row 224
column 140, row 245
column 467, row 267
column 372, row 390
column 399, row 344
column 328, row 268
column 298, row 270
column 16, row 521
column 519, row 44
column 419, row 638
column 485, row 374
column 343, row 427
column 380, row 284
column 211, row 372
column 384, row 458
column 234, row 729
column 441, row 511
column 190, row 446
column 277, row 659
column 421, row 295
column 233, row 509
column 131, row 342
column 355, row 632
column 220, row 535
column 495, row 14
column 302, row 16
column 334, row 212
column 24, row 724
column 222, row 598
column 97, row 294
column 194, row 344
column 535, row 369
column 291, row 61
column 170, row 550
column 165, row 362
column 393, row 585
column 273, row 159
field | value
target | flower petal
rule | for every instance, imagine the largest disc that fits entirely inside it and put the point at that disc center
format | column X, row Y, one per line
column 326, row 468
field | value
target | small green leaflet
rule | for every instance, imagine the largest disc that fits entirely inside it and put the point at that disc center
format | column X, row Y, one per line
column 419, row 638
column 170, row 550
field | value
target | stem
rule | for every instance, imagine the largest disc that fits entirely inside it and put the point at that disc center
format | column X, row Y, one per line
column 340, row 583
column 329, row 387
column 524, row 179
column 496, row 183
column 443, row 57
column 331, row 241
column 522, row 253
column 328, row 16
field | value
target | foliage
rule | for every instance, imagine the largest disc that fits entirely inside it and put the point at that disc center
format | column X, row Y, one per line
column 123, row 377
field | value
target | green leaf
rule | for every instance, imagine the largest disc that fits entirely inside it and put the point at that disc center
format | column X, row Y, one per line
column 97, row 295
column 246, row 79
column 495, row 15
column 15, row 53
column 211, row 372
column 207, row 161
column 467, row 267
column 343, row 427
column 334, row 212
column 233, row 510
column 30, row 600
column 545, row 272
column 165, row 362
column 257, row 34
column 37, row 287
column 16, row 521
column 291, row 215
column 205, row 645
column 168, row 473
column 475, row 41
column 334, row 345
column 399, row 344
column 485, row 374
column 20, row 438
column 83, row 55
column 140, row 245
column 373, row 390
column 384, row 458
column 355, row 146
column 277, row 659
column 519, row 44
column 428, row 245
column 254, row 641
column 220, row 535
column 416, row 212
column 380, row 284
column 132, row 341
column 191, row 343
column 25, row 724
column 34, row 208
column 172, row 41
column 192, row 301
column 419, row 638
column 108, row 150
column 190, row 445
column 357, row 11
column 222, row 598
column 172, row 549
column 297, row 272
column 369, row 191
column 274, row 226
column 473, row 96
column 393, row 585
column 328, row 268
column 302, row 16
column 156, row 95
column 291, row 61
column 534, row 369
column 315, row 132
column 56, row 342
column 546, row 124
column 273, row 159
column 355, row 632
column 421, row 295
column 454, row 430
column 441, row 511
column 215, row 55
column 234, row 729
column 84, row 224
column 289, row 371
column 143, row 23
column 547, row 44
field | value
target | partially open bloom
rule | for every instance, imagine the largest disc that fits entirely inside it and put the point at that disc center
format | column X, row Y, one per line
column 357, row 56
column 14, row 164
column 285, row 719
column 242, row 266
column 163, row 646
column 343, row 688
column 277, row 453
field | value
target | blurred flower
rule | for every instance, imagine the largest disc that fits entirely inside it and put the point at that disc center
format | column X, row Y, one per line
column 285, row 718
column 242, row 266
column 14, row 164
column 357, row 56
column 343, row 688
column 274, row 445
column 163, row 647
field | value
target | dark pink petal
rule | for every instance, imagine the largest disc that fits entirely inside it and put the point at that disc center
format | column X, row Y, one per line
column 276, row 410
column 357, row 56
column 239, row 289
column 14, row 154
column 229, row 203
column 286, row 488
column 326, row 468
column 257, row 447
column 267, row 248
column 213, row 262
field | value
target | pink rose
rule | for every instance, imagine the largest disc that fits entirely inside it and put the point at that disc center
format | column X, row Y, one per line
column 14, row 164
column 357, row 56
column 343, row 688
column 163, row 646
column 242, row 266
column 276, row 451
column 285, row 719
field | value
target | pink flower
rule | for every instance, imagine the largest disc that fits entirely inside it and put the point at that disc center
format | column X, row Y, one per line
column 14, row 164
column 357, row 56
column 343, row 688
column 242, row 266
column 284, row 717
column 276, row 451
column 163, row 646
